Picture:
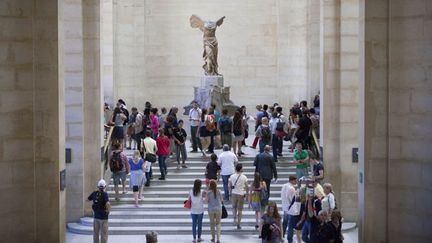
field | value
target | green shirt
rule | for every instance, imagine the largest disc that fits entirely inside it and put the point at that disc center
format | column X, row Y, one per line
column 301, row 156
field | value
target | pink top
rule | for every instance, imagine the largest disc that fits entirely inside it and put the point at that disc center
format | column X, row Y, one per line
column 163, row 145
column 154, row 123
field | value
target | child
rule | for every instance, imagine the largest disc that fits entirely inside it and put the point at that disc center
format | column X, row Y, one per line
column 180, row 140
column 212, row 170
column 101, row 208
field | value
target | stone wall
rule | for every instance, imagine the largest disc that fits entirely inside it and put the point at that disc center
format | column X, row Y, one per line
column 32, row 121
column 262, row 50
column 395, row 150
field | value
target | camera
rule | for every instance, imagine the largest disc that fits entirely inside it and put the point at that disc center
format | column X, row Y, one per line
column 232, row 187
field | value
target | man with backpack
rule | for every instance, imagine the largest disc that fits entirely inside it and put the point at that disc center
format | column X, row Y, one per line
column 225, row 127
column 119, row 167
column 101, row 208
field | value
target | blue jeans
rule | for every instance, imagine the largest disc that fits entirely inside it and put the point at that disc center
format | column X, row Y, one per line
column 275, row 144
column 285, row 223
column 197, row 221
column 181, row 150
column 262, row 144
column 195, row 139
column 301, row 172
column 291, row 223
column 306, row 231
column 225, row 179
column 162, row 165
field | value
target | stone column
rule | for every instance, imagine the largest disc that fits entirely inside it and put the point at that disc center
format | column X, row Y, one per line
column 107, row 45
column 92, row 97
column 73, row 56
column 395, row 93
column 339, row 99
column 32, row 121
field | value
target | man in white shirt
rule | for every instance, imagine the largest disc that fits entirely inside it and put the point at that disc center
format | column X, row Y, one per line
column 238, row 184
column 194, row 118
column 227, row 161
column 288, row 194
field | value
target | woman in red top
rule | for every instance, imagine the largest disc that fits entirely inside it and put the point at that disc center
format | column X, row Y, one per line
column 162, row 143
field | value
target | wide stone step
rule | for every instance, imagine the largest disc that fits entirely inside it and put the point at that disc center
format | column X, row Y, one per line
column 170, row 194
column 173, row 230
column 166, row 230
column 164, row 200
column 184, row 188
column 168, row 208
column 140, row 214
column 157, row 222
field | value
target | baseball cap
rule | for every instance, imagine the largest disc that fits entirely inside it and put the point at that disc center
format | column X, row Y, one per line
column 102, row 183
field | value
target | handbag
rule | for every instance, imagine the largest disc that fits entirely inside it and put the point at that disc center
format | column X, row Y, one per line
column 224, row 212
column 149, row 157
column 294, row 208
column 188, row 203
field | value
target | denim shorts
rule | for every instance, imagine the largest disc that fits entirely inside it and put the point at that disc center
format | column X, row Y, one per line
column 117, row 176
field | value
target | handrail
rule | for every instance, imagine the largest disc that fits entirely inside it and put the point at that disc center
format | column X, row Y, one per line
column 316, row 143
column 108, row 139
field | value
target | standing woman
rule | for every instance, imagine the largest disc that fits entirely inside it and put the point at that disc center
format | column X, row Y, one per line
column 238, row 132
column 328, row 202
column 214, row 200
column 163, row 145
column 137, row 178
column 154, row 121
column 204, row 135
column 271, row 230
column 255, row 198
column 197, row 197
column 118, row 118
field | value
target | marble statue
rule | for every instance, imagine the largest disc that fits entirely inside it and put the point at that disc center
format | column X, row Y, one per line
column 210, row 43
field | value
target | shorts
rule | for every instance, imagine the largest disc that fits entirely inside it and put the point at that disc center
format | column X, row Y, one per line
column 117, row 176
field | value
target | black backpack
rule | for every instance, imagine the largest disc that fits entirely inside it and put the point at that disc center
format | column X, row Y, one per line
column 280, row 125
column 265, row 133
column 225, row 125
column 99, row 202
column 116, row 163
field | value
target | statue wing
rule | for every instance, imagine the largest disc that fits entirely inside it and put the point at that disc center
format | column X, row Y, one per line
column 220, row 21
column 196, row 22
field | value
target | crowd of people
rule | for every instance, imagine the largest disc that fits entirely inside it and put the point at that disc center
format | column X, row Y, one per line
column 308, row 204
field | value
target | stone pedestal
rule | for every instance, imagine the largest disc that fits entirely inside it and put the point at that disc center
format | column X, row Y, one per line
column 212, row 91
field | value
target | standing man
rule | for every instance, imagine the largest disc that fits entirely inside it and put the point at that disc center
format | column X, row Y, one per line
column 288, row 194
column 265, row 165
column 238, row 184
column 101, row 207
column 301, row 159
column 225, row 128
column 194, row 118
column 120, row 167
column 227, row 161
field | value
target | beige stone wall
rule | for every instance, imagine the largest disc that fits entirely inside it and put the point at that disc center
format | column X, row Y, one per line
column 107, row 45
column 73, row 59
column 339, row 99
column 262, row 50
column 32, row 121
column 397, row 132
